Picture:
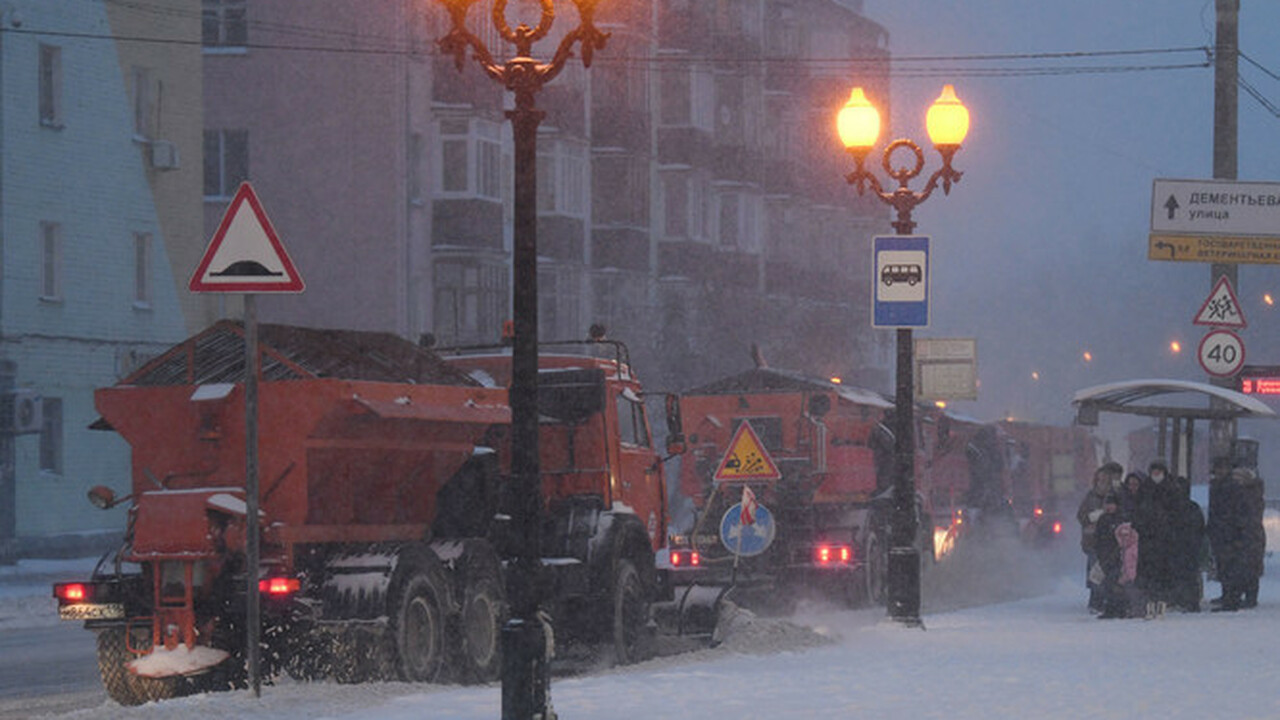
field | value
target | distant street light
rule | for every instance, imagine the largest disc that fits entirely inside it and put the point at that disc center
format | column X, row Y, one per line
column 859, row 126
column 525, row 678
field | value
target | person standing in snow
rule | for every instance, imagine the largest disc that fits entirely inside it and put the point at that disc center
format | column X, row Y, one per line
column 1156, row 567
column 1187, row 548
column 1110, row 559
column 1217, row 528
column 1244, row 540
column 1090, row 510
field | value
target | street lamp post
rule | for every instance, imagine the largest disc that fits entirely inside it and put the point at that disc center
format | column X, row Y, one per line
column 525, row 677
column 859, row 127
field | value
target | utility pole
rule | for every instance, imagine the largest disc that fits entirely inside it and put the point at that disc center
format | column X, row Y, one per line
column 1225, row 104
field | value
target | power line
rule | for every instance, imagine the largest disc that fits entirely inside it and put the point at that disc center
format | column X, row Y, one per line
column 1258, row 96
column 1258, row 65
column 834, row 63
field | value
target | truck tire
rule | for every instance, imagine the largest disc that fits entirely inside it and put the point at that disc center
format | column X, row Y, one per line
column 116, row 678
column 483, row 612
column 630, row 633
column 418, row 612
column 123, row 686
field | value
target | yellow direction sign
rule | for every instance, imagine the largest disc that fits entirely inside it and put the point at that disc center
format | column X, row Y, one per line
column 747, row 459
column 1214, row 249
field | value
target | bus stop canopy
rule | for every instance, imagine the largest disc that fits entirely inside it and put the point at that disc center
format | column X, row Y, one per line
column 1167, row 399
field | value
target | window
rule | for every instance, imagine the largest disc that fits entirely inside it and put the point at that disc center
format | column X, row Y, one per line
column 687, row 97
column 226, row 162
column 631, row 427
column 562, row 178
column 51, row 436
column 470, row 301
column 50, row 86
column 675, row 204
column 50, row 261
column 558, row 300
column 142, row 269
column 471, row 158
column 144, row 103
column 729, row 215
column 224, row 24
column 739, row 225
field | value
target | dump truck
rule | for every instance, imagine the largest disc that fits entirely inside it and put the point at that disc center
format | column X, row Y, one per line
column 383, row 512
column 825, row 510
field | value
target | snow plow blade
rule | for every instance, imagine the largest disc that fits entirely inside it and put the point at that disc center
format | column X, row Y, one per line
column 696, row 611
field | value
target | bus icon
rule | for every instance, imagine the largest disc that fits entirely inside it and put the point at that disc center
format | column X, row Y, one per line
column 910, row 274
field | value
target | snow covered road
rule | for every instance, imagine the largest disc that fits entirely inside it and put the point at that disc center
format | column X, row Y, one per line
column 1043, row 657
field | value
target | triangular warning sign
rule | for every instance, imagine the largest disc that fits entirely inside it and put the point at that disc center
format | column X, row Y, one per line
column 1221, row 308
column 245, row 254
column 746, row 459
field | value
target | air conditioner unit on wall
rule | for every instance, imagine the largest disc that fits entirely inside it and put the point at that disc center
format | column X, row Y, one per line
column 164, row 155
column 21, row 412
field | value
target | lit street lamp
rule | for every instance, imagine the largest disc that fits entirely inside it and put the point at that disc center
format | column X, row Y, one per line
column 859, row 127
column 524, row 673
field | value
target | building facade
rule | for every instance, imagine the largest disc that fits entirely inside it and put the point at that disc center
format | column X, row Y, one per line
column 100, row 160
column 690, row 184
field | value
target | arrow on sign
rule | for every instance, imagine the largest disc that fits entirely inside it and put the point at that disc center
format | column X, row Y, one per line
column 1171, row 204
column 1173, row 251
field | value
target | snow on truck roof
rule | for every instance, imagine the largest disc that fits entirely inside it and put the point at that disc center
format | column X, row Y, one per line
column 768, row 380
column 216, row 355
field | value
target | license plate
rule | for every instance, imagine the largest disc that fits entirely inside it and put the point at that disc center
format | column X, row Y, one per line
column 91, row 611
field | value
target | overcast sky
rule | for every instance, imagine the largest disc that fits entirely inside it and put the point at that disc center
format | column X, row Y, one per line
column 1041, row 251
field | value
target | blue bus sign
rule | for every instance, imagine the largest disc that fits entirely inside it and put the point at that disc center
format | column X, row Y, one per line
column 901, row 297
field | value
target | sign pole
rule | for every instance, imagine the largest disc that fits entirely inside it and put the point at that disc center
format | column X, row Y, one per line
column 252, row 551
column 1225, row 101
column 246, row 256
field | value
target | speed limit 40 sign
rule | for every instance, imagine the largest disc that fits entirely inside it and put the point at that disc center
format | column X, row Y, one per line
column 1221, row 353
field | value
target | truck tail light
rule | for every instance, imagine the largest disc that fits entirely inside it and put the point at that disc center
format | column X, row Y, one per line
column 833, row 554
column 685, row 558
column 70, row 593
column 279, row 586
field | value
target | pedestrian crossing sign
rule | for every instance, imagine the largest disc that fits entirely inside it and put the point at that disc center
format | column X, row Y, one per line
column 747, row 458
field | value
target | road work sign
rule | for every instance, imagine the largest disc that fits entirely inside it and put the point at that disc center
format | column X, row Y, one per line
column 1218, row 221
column 746, row 459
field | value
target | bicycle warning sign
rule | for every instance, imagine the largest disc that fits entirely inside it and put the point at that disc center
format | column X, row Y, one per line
column 746, row 459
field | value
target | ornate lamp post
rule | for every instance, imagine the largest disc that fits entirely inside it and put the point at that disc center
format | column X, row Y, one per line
column 859, row 126
column 524, row 674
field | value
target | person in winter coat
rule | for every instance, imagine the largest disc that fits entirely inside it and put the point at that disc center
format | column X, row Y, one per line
column 1217, row 528
column 1186, row 549
column 1111, row 559
column 1244, row 540
column 1087, row 515
column 1156, row 571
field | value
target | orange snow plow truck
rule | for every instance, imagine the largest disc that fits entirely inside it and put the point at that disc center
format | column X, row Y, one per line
column 383, row 510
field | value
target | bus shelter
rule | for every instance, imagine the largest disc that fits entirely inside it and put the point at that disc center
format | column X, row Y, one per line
column 1176, row 405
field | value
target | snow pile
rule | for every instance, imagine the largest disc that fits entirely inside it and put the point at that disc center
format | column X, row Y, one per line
column 181, row 660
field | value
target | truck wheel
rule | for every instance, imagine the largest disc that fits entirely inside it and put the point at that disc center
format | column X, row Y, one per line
column 418, row 620
column 874, row 570
column 484, row 610
column 123, row 686
column 116, row 678
column 630, row 633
